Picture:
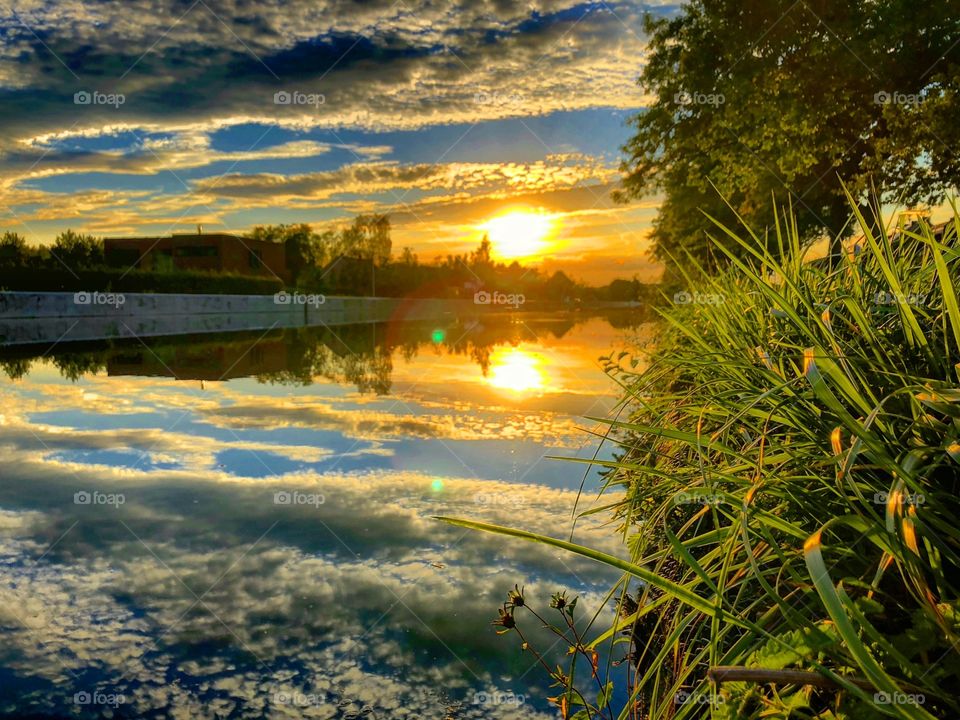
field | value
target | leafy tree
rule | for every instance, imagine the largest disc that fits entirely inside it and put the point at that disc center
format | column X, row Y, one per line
column 775, row 98
column 408, row 257
column 302, row 247
column 482, row 255
column 13, row 249
column 368, row 238
column 559, row 286
column 76, row 250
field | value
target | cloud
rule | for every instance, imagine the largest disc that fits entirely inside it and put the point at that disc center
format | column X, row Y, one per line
column 189, row 72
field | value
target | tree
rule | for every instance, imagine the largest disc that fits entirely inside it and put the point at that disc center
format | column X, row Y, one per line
column 302, row 247
column 481, row 257
column 13, row 249
column 559, row 286
column 76, row 250
column 408, row 257
column 368, row 238
column 763, row 100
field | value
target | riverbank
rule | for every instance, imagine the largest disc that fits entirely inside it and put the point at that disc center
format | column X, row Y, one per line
column 46, row 317
column 28, row 318
column 786, row 480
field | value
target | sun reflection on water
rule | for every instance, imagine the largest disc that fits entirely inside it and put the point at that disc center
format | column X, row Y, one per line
column 517, row 370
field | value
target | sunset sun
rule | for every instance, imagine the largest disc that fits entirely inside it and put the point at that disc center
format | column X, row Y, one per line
column 519, row 233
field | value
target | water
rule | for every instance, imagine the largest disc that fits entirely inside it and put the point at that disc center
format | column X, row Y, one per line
column 242, row 525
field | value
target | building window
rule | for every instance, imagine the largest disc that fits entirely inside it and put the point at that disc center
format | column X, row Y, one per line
column 256, row 259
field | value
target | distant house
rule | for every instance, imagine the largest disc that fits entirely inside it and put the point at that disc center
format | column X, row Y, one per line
column 199, row 251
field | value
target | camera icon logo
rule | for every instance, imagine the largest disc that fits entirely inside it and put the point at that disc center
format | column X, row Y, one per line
column 482, row 297
column 81, row 298
column 281, row 97
column 81, row 497
column 282, row 498
column 282, row 298
column 682, row 298
column 82, row 98
column 82, row 698
column 882, row 98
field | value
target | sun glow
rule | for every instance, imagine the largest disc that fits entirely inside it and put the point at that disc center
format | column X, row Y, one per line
column 515, row 370
column 519, row 233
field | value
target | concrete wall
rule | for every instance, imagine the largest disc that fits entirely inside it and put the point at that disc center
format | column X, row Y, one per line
column 27, row 317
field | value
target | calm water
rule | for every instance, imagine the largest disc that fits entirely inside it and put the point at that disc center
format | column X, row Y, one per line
column 241, row 526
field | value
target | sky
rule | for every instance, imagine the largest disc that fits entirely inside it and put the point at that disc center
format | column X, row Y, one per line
column 150, row 117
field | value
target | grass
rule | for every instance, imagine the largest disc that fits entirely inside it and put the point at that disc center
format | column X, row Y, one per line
column 786, row 484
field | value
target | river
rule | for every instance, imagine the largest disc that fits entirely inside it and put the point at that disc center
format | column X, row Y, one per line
column 242, row 525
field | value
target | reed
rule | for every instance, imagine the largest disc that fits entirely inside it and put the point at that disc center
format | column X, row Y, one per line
column 786, row 484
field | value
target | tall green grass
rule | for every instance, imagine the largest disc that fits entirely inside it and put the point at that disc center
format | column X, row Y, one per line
column 787, row 487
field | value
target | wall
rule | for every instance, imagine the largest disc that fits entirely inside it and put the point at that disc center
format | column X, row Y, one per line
column 27, row 318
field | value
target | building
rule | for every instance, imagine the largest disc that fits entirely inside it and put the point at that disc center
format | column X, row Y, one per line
column 217, row 252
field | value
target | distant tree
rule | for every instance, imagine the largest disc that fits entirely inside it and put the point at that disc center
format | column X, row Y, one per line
column 13, row 249
column 78, row 251
column 408, row 257
column 624, row 290
column 302, row 247
column 481, row 256
column 368, row 238
column 754, row 100
column 559, row 286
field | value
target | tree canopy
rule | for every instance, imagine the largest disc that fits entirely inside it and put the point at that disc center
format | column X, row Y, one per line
column 768, row 100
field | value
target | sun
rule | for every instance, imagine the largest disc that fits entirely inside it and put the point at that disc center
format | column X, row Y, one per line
column 519, row 233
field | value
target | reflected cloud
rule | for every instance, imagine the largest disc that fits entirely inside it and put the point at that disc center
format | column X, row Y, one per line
column 248, row 549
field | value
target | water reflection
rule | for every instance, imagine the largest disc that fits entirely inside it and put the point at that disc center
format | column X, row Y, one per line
column 515, row 369
column 240, row 526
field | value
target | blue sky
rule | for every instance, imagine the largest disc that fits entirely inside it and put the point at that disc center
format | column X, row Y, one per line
column 147, row 118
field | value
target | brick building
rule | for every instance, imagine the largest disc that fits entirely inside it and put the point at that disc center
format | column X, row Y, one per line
column 199, row 251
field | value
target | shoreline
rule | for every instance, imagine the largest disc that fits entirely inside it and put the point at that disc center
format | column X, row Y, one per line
column 28, row 318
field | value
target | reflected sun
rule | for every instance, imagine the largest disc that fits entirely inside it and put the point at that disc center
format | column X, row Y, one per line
column 515, row 370
column 519, row 233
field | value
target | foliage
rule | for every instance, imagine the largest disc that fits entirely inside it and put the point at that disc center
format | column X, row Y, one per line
column 308, row 252
column 13, row 249
column 302, row 247
column 78, row 251
column 787, row 486
column 782, row 98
